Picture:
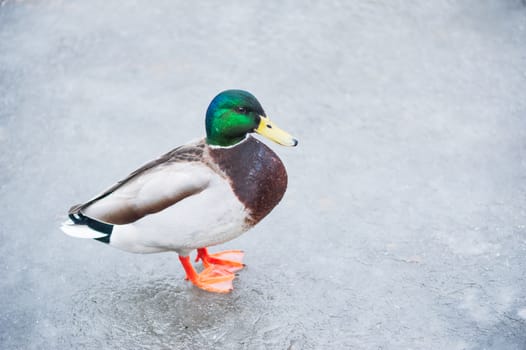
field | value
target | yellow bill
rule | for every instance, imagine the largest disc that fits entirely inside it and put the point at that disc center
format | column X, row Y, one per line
column 272, row 132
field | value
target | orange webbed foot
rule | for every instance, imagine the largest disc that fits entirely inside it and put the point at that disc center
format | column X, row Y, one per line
column 230, row 260
column 212, row 279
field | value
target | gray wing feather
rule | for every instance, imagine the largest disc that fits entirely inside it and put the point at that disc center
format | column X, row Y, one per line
column 120, row 210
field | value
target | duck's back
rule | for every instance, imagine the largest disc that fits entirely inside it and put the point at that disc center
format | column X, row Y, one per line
column 257, row 176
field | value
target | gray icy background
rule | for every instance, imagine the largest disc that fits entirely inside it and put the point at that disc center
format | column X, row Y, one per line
column 404, row 224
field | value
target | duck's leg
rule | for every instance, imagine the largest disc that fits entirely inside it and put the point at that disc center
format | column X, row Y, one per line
column 230, row 260
column 212, row 278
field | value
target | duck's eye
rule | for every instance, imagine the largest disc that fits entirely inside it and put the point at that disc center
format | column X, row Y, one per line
column 241, row 110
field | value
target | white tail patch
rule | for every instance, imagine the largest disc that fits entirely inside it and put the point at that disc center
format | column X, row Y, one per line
column 80, row 231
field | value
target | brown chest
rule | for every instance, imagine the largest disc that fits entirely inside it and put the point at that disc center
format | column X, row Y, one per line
column 257, row 175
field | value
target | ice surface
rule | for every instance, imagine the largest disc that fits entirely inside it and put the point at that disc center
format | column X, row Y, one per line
column 404, row 224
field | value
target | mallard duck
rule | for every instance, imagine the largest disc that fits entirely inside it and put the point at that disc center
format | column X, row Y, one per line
column 198, row 195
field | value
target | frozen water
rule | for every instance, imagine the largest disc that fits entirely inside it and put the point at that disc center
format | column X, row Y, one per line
column 404, row 224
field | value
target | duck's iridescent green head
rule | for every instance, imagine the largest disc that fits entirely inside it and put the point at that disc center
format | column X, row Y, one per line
column 233, row 114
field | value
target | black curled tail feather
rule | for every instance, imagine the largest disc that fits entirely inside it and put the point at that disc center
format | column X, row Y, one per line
column 79, row 219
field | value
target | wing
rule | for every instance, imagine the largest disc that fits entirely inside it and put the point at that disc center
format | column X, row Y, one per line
column 151, row 188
